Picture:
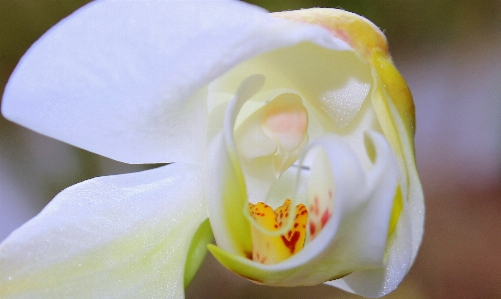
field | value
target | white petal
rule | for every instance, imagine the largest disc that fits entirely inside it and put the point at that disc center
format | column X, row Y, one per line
column 404, row 243
column 121, row 78
column 226, row 196
column 379, row 282
column 343, row 104
column 356, row 234
column 109, row 237
column 354, row 237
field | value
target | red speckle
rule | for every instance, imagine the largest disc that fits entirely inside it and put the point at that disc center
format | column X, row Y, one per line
column 303, row 212
column 291, row 243
column 312, row 228
column 276, row 225
column 296, row 224
column 286, row 214
column 248, row 254
column 325, row 217
column 330, row 194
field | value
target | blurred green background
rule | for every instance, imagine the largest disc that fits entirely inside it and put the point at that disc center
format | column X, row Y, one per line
column 449, row 52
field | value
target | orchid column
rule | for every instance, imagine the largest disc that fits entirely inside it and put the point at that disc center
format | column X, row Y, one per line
column 291, row 132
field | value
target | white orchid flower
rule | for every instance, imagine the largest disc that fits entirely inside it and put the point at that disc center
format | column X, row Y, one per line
column 291, row 132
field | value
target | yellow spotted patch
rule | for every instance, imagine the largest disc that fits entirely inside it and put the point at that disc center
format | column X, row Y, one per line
column 269, row 249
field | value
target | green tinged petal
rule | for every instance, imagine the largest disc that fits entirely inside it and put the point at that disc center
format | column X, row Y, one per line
column 123, row 236
column 197, row 251
column 227, row 196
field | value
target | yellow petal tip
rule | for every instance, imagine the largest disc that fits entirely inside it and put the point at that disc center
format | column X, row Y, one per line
column 358, row 32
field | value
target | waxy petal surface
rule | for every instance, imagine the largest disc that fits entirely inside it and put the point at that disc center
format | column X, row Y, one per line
column 124, row 79
column 124, row 236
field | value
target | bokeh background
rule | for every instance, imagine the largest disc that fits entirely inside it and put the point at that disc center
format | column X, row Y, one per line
column 450, row 53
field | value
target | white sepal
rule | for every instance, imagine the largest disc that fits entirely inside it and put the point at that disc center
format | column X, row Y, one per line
column 115, row 237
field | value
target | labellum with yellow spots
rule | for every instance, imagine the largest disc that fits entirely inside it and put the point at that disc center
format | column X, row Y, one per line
column 270, row 249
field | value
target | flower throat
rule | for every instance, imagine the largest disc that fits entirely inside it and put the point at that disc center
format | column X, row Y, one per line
column 272, row 249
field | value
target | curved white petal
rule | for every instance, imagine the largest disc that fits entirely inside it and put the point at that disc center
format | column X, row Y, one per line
column 354, row 237
column 404, row 243
column 123, row 236
column 375, row 283
column 226, row 196
column 124, row 79
column 309, row 78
